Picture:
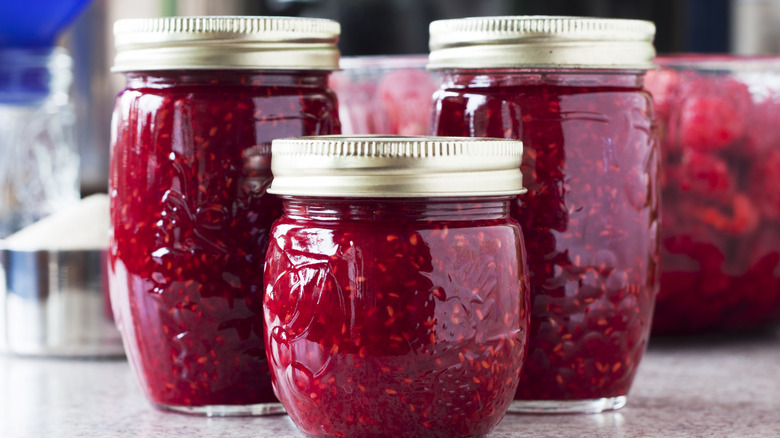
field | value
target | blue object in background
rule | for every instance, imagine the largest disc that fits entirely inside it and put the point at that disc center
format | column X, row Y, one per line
column 36, row 23
column 27, row 75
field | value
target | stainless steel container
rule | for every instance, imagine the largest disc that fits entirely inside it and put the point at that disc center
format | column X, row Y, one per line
column 55, row 303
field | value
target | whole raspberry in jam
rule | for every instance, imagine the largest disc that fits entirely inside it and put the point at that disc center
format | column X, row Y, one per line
column 703, row 174
column 712, row 112
column 709, row 123
column 405, row 95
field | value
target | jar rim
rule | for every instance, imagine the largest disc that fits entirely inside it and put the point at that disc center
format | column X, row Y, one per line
column 385, row 166
column 226, row 42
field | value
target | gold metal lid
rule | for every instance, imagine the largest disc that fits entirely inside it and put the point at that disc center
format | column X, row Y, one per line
column 396, row 166
column 541, row 42
column 226, row 42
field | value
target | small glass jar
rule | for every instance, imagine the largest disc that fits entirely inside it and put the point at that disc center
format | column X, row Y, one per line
column 190, row 165
column 571, row 89
column 720, row 151
column 395, row 288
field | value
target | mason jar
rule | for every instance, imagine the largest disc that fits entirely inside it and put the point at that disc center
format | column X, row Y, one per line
column 395, row 288
column 572, row 90
column 190, row 165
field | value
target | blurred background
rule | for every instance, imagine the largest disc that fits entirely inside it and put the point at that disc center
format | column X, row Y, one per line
column 374, row 27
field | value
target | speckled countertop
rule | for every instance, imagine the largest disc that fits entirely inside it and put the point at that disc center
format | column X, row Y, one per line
column 715, row 387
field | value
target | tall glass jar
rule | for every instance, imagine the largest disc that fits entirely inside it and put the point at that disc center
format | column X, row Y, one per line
column 190, row 165
column 571, row 89
column 396, row 293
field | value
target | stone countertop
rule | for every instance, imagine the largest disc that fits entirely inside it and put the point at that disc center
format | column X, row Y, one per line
column 704, row 387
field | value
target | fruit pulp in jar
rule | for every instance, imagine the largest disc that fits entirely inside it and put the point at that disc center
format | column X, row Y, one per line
column 589, row 217
column 720, row 240
column 396, row 318
column 190, row 215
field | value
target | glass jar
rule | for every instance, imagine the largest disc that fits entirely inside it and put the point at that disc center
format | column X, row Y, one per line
column 39, row 168
column 395, row 287
column 190, row 165
column 720, row 147
column 571, row 89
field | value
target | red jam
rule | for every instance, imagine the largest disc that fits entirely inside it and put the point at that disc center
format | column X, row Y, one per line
column 589, row 217
column 396, row 318
column 721, row 216
column 190, row 217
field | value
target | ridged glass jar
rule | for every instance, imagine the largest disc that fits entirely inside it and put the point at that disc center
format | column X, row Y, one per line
column 396, row 301
column 190, row 215
column 571, row 89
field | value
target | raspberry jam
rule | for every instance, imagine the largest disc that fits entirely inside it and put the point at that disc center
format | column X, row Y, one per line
column 721, row 216
column 395, row 317
column 190, row 216
column 590, row 216
column 590, row 219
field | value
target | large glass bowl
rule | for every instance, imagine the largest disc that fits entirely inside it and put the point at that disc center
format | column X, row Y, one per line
column 388, row 94
column 719, row 119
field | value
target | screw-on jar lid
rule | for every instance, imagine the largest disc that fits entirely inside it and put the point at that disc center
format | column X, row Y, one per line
column 277, row 43
column 396, row 166
column 541, row 42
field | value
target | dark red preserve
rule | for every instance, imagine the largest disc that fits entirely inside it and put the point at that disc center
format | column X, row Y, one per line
column 396, row 295
column 590, row 216
column 190, row 216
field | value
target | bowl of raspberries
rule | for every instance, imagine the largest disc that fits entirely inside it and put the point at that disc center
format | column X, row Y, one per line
column 719, row 124
column 386, row 94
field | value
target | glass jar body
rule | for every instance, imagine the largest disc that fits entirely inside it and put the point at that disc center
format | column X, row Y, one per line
column 590, row 218
column 396, row 317
column 190, row 165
